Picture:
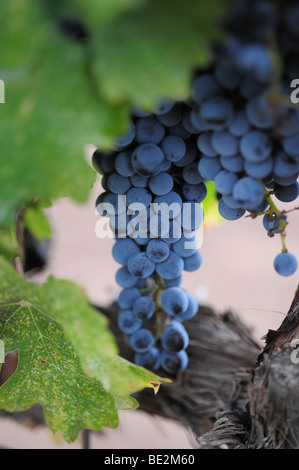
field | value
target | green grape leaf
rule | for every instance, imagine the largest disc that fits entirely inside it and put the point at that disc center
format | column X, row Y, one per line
column 98, row 353
column 83, row 327
column 123, row 376
column 51, row 112
column 126, row 402
column 96, row 13
column 36, row 221
column 149, row 54
column 8, row 243
column 62, row 94
column 49, row 373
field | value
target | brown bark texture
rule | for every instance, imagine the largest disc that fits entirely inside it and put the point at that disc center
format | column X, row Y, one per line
column 232, row 394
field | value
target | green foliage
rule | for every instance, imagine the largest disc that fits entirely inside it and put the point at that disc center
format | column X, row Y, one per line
column 49, row 373
column 8, row 244
column 65, row 351
column 149, row 54
column 61, row 95
column 36, row 221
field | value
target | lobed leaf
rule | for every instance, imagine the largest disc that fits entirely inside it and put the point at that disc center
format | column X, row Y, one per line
column 49, row 373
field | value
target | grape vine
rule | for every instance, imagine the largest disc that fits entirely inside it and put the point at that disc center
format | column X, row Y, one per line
column 239, row 131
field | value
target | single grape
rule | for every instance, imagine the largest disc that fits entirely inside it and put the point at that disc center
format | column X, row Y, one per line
column 139, row 181
column 175, row 338
column 191, row 175
column 161, row 184
column 149, row 130
column 172, row 267
column 285, row 166
column 124, row 278
column 147, row 159
column 286, row 193
column 225, row 181
column 142, row 340
column 174, row 363
column 217, row 112
column 260, row 112
column 209, row 167
column 194, row 192
column 255, row 146
column 239, row 125
column 204, row 144
column 185, row 246
column 128, row 297
column 172, row 117
column 169, row 204
column 248, row 192
column 174, row 148
column 193, row 262
column 144, row 308
column 271, row 223
column 189, row 156
column 191, row 310
column 140, row 265
column 230, row 201
column 285, row 264
column 125, row 140
column 123, row 249
column 118, row 184
column 123, row 164
column 224, row 143
column 174, row 301
column 176, row 282
column 151, row 359
column 259, row 170
column 103, row 162
column 164, row 107
column 234, row 163
column 229, row 213
column 192, row 216
column 128, row 323
column 157, row 251
column 139, row 195
column 205, row 86
column 254, row 60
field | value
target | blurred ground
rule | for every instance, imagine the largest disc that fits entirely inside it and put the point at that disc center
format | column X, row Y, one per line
column 237, row 273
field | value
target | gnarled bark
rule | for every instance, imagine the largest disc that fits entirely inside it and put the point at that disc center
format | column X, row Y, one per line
column 232, row 395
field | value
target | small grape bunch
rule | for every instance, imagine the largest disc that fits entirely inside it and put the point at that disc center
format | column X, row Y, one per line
column 152, row 194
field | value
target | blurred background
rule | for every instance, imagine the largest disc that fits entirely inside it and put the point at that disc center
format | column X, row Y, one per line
column 237, row 273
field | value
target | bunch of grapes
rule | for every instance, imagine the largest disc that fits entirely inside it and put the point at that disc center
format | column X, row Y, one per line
column 239, row 130
column 154, row 174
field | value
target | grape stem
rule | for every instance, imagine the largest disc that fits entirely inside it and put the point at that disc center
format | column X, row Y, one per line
column 159, row 312
column 282, row 221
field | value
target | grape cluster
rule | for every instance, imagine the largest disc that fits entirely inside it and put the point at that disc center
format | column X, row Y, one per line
column 248, row 129
column 237, row 130
column 153, row 173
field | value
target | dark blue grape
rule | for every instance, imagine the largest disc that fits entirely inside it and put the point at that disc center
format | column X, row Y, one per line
column 175, row 338
column 142, row 340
